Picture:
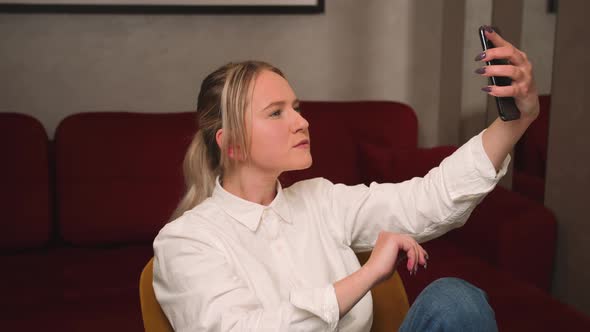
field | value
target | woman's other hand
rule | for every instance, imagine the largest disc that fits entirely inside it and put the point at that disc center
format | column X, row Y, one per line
column 390, row 250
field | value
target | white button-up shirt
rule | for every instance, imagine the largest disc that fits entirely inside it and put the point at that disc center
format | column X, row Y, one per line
column 230, row 264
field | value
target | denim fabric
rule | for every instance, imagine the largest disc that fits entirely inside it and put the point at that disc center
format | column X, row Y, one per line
column 450, row 304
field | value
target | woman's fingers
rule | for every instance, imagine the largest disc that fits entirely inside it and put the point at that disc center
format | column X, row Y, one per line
column 515, row 73
column 521, row 80
column 423, row 255
column 416, row 256
column 503, row 49
column 515, row 90
column 509, row 53
column 417, row 253
column 495, row 37
column 412, row 258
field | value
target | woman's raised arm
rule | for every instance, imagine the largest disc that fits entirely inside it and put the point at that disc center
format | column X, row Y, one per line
column 500, row 137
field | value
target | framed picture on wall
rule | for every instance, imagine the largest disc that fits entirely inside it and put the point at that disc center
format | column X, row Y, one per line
column 165, row 7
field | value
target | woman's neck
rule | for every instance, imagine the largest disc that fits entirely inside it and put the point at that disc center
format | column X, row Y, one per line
column 250, row 185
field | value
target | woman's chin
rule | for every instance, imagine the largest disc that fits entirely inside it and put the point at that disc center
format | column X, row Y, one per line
column 301, row 166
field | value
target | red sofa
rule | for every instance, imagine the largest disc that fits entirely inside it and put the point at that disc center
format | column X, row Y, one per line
column 81, row 212
column 530, row 156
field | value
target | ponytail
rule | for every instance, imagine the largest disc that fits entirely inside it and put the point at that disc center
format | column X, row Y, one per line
column 199, row 175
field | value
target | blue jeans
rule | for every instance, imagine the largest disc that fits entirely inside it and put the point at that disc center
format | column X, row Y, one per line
column 450, row 304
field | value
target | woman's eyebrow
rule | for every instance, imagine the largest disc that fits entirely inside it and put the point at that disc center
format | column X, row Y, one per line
column 280, row 103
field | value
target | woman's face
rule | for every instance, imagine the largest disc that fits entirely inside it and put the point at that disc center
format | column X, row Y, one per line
column 279, row 135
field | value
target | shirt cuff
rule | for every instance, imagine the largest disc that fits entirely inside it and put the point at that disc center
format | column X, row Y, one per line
column 470, row 172
column 321, row 302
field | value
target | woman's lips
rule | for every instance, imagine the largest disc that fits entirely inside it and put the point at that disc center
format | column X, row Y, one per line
column 303, row 144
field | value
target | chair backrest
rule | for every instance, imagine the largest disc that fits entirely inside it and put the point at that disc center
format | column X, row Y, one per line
column 154, row 319
column 390, row 302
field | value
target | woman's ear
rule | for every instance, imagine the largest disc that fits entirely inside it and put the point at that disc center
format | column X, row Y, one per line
column 219, row 140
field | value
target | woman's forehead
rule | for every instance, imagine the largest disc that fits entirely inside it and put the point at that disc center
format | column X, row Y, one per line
column 270, row 87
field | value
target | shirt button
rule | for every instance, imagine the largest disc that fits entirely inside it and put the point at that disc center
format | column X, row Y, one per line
column 271, row 227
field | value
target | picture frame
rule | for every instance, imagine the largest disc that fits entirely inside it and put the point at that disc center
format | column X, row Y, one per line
column 552, row 6
column 218, row 7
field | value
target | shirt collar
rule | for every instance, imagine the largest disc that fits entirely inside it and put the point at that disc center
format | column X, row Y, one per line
column 249, row 213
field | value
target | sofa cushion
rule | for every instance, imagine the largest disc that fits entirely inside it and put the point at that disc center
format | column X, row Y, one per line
column 119, row 175
column 73, row 289
column 109, row 313
column 24, row 174
column 66, row 274
column 382, row 163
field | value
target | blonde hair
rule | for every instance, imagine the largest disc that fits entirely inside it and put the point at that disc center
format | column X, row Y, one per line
column 221, row 104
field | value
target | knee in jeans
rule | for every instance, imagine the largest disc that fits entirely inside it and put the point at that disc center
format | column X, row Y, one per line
column 460, row 299
column 450, row 304
column 450, row 285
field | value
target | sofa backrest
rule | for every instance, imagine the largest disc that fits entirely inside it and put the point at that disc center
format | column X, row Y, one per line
column 25, row 198
column 118, row 174
column 345, row 136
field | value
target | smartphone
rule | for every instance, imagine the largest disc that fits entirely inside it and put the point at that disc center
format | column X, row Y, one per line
column 506, row 105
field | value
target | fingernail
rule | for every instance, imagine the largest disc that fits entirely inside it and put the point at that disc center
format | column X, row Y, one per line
column 481, row 70
column 489, row 28
column 486, row 89
column 480, row 56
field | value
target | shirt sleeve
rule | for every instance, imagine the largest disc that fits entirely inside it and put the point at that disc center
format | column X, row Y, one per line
column 198, row 290
column 424, row 208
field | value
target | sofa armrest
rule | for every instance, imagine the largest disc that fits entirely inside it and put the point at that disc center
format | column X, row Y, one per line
column 508, row 230
column 513, row 233
column 529, row 185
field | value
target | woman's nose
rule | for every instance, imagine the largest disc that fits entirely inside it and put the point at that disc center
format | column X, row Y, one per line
column 299, row 122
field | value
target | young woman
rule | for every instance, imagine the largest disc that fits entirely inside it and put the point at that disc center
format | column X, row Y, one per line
column 242, row 253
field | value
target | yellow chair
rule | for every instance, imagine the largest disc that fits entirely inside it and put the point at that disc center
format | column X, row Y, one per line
column 390, row 302
column 154, row 319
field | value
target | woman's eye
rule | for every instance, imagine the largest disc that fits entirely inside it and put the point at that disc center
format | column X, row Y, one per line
column 276, row 113
column 297, row 109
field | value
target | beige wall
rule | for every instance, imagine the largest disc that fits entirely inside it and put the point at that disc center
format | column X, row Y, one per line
column 538, row 37
column 57, row 64
column 568, row 165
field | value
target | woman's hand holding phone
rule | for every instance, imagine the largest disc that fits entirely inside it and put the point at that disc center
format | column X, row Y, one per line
column 518, row 69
